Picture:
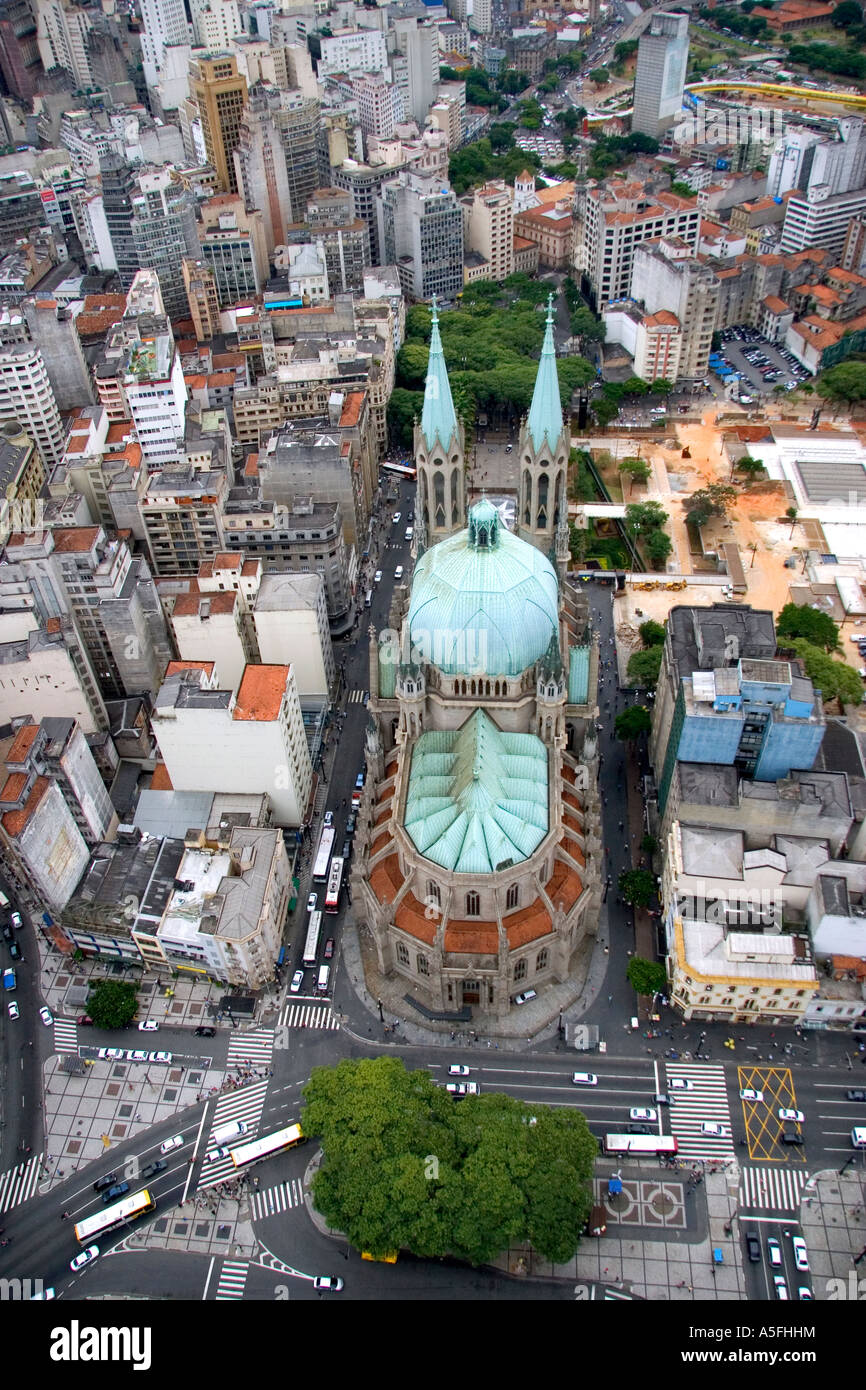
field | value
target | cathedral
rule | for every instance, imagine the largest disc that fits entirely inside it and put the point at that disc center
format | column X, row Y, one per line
column 478, row 854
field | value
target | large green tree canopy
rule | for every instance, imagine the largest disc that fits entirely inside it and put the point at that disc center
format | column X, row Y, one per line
column 112, row 1003
column 407, row 1167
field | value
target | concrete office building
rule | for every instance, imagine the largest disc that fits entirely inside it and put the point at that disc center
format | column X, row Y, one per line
column 27, row 398
column 52, row 330
column 421, row 232
column 58, row 749
column 182, row 514
column 489, row 227
column 660, row 75
column 62, row 35
column 164, row 25
column 612, row 218
column 45, row 672
column 43, row 848
column 216, row 23
column 201, row 292
column 220, row 93
column 415, row 64
column 804, row 159
column 667, row 277
column 276, row 157
column 820, row 219
column 290, row 617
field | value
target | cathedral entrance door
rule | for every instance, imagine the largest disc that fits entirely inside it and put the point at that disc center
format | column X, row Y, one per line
column 471, row 992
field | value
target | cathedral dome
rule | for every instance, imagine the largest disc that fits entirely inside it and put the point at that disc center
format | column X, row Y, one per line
column 484, row 602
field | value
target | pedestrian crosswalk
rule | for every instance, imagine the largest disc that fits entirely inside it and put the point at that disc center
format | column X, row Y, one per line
column 309, row 1016
column 233, row 1279
column 256, row 1048
column 65, row 1035
column 704, row 1102
column 773, row 1189
column 245, row 1105
column 283, row 1197
column 17, row 1184
column 357, row 697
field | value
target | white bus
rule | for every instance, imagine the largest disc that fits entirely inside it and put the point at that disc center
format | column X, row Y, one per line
column 258, row 1149
column 311, row 945
column 323, row 854
column 640, row 1144
column 119, row 1214
column 404, row 470
column 335, row 884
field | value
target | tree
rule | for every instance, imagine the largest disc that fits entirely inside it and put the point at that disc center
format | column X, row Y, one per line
column 112, row 1004
column 404, row 1167
column 637, row 469
column 635, row 386
column 630, row 724
column 846, row 14
column 600, row 76
column 501, row 136
column 637, row 886
column 652, row 634
column 646, row 976
column 712, row 500
column 834, row 679
column 641, row 518
column 809, row 623
column 404, row 408
column 749, row 465
column 649, row 844
column 586, row 326
column 658, row 546
column 644, row 666
column 791, row 513
column 661, row 386
column 682, row 190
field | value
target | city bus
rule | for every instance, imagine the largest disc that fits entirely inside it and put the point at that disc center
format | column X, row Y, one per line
column 403, row 469
column 640, row 1144
column 311, row 945
column 258, row 1149
column 335, row 884
column 119, row 1214
column 323, row 854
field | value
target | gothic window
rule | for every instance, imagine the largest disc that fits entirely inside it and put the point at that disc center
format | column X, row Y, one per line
column 439, row 499
column 473, row 904
column 434, row 893
column 557, row 504
column 541, row 960
column 541, row 514
column 511, row 897
column 455, row 493
column 519, row 971
column 527, row 497
column 423, row 965
column 402, row 954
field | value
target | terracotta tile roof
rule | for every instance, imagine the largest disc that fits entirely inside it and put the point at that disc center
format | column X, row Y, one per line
column 261, row 692
column 175, row 667
column 221, row 380
column 251, row 467
column 472, row 938
column 196, row 381
column 249, row 567
column 15, row 821
column 22, row 743
column 528, row 924
column 352, row 407
column 189, row 605
column 573, row 848
column 775, row 304
column 380, row 843
column 662, row 319
column 386, row 879
column 846, row 277
column 75, row 539
column 563, row 886
column 382, row 816
column 410, row 917
column 222, row 361
column 13, row 786
column 521, row 243
column 391, row 769
column 227, row 560
column 119, row 431
column 160, row 781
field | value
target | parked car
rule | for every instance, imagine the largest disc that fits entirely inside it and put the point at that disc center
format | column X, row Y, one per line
column 351, row 823
column 329, row 818
column 47, row 1016
column 84, row 1020
column 346, row 851
column 804, row 1294
column 327, row 1283
column 137, row 1055
column 525, row 996
column 203, row 1032
column 297, row 981
column 12, row 1009
column 801, row 1256
column 398, row 573
column 15, row 919
column 158, row 1165
column 312, row 902
column 160, row 1057
column 330, row 946
column 359, row 781
column 14, row 950
column 111, row 1054
column 395, row 518
column 377, row 577
column 148, row 1025
column 168, row 1145
column 91, row 1253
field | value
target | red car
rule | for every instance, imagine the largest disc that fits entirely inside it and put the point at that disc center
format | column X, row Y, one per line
column 82, row 1018
column 329, row 948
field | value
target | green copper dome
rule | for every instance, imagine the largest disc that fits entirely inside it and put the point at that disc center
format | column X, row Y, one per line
column 483, row 601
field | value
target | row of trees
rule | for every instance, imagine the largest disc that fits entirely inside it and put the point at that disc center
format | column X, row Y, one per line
column 845, row 384
column 644, row 665
column 644, row 522
column 826, row 57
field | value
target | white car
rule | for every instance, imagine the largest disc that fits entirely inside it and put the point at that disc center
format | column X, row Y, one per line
column 643, row 1112
column 395, row 518
column 44, row 1296
column 525, row 996
column 91, row 1253
column 679, row 1083
column 748, row 1094
column 297, row 981
column 47, row 1016
column 805, row 1294
column 458, row 1069
column 13, row 1010
column 713, row 1130
column 312, row 902
column 327, row 1283
column 584, row 1078
column 175, row 1142
column 329, row 819
column 137, row 1056
column 159, row 1057
column 781, row 1287
column 774, row 1250
column 377, row 577
column 796, row 1115
column 149, row 1025
column 112, row 1054
column 462, row 1088
column 398, row 573
column 801, row 1258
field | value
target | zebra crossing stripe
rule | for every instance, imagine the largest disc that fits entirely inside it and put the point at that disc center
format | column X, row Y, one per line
column 311, row 1016
column 252, row 1047
column 20, row 1183
column 232, row 1280
column 274, row 1200
column 65, row 1035
column 777, row 1189
column 356, row 697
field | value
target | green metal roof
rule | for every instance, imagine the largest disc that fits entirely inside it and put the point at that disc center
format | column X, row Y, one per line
column 387, row 673
column 545, row 412
column 483, row 602
column 477, row 798
column 438, row 417
column 578, row 675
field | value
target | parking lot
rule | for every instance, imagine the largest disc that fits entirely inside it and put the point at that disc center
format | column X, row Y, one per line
column 760, row 363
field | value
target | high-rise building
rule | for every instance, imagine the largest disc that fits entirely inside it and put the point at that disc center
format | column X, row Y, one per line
column 220, row 92
column 52, row 329
column 806, row 159
column 276, row 159
column 216, row 23
column 356, row 50
column 163, row 229
column 201, row 292
column 20, row 62
column 415, row 65
column 380, row 104
column 481, row 18
column 233, row 245
column 62, row 32
column 26, row 396
column 164, row 25
column 615, row 217
column 819, row 219
column 489, row 227
column 665, row 276
column 422, row 234
column 118, row 182
column 364, row 182
column 660, row 75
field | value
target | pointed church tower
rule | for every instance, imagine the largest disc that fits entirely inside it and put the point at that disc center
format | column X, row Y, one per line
column 439, row 458
column 544, row 447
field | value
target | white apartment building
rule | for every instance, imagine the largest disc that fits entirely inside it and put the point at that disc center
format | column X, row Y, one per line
column 41, row 677
column 215, row 24
column 259, row 735
column 488, row 226
column 156, row 395
column 653, row 341
column 62, row 31
column 92, row 227
column 613, row 218
column 818, row 218
column 210, row 628
column 26, row 397
column 666, row 276
column 805, row 159
column 353, row 50
column 291, row 624
column 164, row 26
column 481, row 18
column 380, row 104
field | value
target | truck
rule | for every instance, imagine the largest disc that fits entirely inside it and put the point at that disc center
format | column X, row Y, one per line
column 9, row 981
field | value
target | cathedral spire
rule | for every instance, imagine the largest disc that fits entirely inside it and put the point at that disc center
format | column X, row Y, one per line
column 438, row 418
column 545, row 412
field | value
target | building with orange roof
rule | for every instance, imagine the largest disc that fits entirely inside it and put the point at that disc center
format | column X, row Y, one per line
column 259, row 732
column 212, row 625
column 615, row 216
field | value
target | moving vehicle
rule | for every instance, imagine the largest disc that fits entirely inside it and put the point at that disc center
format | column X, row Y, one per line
column 748, row 1094
column 377, row 577
column 858, row 1137
column 643, row 1112
column 462, row 1088
column 753, row 1247
column 335, row 885
column 158, row 1165
column 91, row 1253
column 168, row 1145
column 796, row 1115
column 9, row 980
column 640, row 1144
column 801, row 1256
column 584, row 1078
column 679, row 1083
column 113, row 1194
column 458, row 1069
column 297, row 982
column 774, row 1250
column 327, row 1283
column 713, row 1130
column 320, row 865
column 346, row 851
column 781, row 1287
column 148, row 1025
column 329, row 818
column 222, row 1151
column 804, row 1294
column 855, row 1095
column 330, row 945
column 324, row 979
column 14, row 950
column 398, row 573
column 117, row 1215
column 311, row 944
column 12, row 1009
column 102, row 1183
column 225, row 1133
column 203, row 1032
column 408, row 533
column 368, row 598
column 395, row 518
column 269, row 1144
column 15, row 919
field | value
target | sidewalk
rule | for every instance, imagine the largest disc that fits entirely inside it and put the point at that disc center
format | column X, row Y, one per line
column 833, row 1224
